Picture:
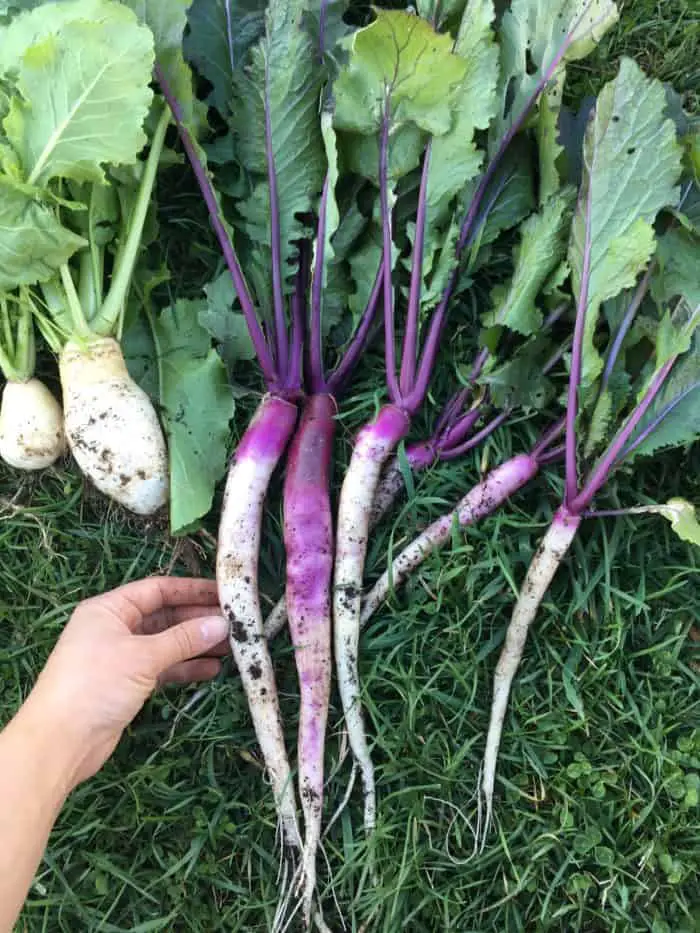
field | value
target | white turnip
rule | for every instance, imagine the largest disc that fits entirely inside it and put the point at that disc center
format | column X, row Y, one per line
column 112, row 427
column 31, row 426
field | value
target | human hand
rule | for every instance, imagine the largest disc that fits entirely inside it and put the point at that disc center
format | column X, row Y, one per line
column 113, row 653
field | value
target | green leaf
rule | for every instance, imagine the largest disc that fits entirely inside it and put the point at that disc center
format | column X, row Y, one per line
column 360, row 154
column 36, row 21
column 221, row 32
column 532, row 34
column 680, row 513
column 85, row 95
column 140, row 355
column 196, row 406
column 454, row 158
column 675, row 412
column 438, row 263
column 98, row 224
column 632, row 164
column 333, row 299
column 673, row 336
column 226, row 326
column 33, row 243
column 609, row 405
column 678, row 275
column 571, row 131
column 281, row 86
column 400, row 57
column 520, row 380
column 167, row 22
column 364, row 265
column 683, row 518
column 508, row 199
column 548, row 145
column 541, row 248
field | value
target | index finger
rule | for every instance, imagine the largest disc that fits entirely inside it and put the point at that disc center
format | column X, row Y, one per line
column 133, row 601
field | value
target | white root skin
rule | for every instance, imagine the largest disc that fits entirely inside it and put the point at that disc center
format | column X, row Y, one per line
column 31, row 426
column 501, row 483
column 276, row 619
column 112, row 427
column 389, row 488
column 372, row 448
column 540, row 574
column 237, row 578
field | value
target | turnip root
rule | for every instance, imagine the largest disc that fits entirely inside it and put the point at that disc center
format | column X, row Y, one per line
column 484, row 498
column 237, row 575
column 308, row 538
column 540, row 574
column 31, row 426
column 112, row 427
column 373, row 447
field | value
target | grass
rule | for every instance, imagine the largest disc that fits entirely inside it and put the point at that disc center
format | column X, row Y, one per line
column 597, row 809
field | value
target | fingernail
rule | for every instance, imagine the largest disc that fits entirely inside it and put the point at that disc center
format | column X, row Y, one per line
column 214, row 629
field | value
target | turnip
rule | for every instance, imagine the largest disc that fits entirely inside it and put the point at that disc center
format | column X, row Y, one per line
column 446, row 220
column 292, row 179
column 72, row 151
column 31, row 425
column 112, row 426
column 612, row 244
column 31, row 420
column 307, row 511
column 254, row 461
column 484, row 498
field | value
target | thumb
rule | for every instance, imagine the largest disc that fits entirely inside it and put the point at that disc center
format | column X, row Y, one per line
column 187, row 640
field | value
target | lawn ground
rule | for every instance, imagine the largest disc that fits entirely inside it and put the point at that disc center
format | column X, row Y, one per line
column 597, row 812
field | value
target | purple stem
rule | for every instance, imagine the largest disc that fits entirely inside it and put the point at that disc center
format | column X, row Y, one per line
column 571, row 488
column 657, row 421
column 507, row 139
column 479, row 364
column 624, row 327
column 548, row 438
column 451, row 410
column 262, row 351
column 606, row 464
column 280, row 329
column 315, row 336
column 458, row 429
column 607, row 513
column 551, row 456
column 414, row 400
column 388, row 292
column 294, row 376
column 437, row 322
column 554, row 315
column 452, row 453
column 360, row 339
column 410, row 340
column 554, row 359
